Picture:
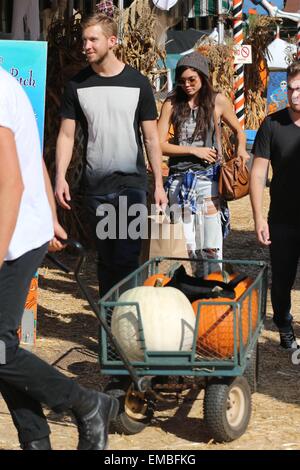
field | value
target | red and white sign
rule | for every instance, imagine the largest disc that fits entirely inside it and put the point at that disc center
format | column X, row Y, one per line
column 242, row 54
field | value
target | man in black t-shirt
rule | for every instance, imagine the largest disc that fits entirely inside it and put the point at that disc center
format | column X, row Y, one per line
column 112, row 101
column 278, row 141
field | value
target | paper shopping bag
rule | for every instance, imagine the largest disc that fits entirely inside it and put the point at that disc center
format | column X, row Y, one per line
column 167, row 239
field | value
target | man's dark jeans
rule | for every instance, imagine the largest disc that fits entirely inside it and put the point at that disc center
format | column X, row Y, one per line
column 284, row 252
column 117, row 257
column 25, row 380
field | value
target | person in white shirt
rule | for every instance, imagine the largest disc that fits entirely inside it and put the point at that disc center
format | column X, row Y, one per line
column 28, row 222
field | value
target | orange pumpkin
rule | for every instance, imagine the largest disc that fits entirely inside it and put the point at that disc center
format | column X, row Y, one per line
column 216, row 322
column 157, row 280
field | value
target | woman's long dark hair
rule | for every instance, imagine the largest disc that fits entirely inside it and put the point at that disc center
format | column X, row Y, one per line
column 181, row 109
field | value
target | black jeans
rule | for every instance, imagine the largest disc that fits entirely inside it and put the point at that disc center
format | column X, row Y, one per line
column 118, row 255
column 25, row 380
column 284, row 252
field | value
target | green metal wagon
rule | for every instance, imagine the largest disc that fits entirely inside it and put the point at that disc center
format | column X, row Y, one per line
column 228, row 382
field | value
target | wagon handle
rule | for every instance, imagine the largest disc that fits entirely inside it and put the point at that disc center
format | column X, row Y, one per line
column 80, row 260
column 138, row 381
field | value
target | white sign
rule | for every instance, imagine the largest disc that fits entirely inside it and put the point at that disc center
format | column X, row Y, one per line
column 242, row 54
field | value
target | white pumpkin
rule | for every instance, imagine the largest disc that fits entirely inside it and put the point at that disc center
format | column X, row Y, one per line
column 167, row 317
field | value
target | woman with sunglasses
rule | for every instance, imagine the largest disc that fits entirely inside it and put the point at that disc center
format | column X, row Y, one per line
column 194, row 112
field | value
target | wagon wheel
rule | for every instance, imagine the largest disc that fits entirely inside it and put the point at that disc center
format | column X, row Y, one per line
column 252, row 369
column 136, row 409
column 227, row 408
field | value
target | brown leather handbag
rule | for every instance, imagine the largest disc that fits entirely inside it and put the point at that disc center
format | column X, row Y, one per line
column 234, row 173
column 234, row 179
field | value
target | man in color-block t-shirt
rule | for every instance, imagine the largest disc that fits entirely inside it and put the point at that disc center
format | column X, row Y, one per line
column 114, row 103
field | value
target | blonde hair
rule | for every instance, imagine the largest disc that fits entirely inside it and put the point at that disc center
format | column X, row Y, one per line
column 108, row 25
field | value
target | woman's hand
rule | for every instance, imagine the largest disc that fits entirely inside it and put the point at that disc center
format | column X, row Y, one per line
column 207, row 154
column 243, row 154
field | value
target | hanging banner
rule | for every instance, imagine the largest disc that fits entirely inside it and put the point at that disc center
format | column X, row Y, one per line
column 27, row 62
column 277, row 91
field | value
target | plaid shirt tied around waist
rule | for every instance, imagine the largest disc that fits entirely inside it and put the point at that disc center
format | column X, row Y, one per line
column 187, row 194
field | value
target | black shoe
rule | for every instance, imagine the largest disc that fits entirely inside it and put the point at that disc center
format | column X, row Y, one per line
column 93, row 412
column 41, row 444
column 288, row 339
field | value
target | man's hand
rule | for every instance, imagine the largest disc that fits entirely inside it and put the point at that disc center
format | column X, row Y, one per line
column 62, row 193
column 262, row 232
column 161, row 199
column 55, row 244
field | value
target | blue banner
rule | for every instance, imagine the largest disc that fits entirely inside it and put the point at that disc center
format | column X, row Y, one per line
column 277, row 92
column 27, row 62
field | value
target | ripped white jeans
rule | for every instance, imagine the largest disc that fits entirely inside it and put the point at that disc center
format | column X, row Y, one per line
column 202, row 230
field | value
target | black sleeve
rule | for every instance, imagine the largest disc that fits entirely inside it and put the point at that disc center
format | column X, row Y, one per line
column 70, row 108
column 262, row 144
column 148, row 110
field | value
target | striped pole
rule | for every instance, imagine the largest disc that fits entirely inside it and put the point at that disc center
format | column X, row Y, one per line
column 239, row 102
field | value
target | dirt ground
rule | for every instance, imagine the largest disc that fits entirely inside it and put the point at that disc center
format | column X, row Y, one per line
column 67, row 337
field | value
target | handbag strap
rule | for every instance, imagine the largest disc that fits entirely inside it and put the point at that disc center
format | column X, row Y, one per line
column 217, row 137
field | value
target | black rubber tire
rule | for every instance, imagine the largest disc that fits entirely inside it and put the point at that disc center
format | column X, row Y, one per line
column 128, row 426
column 252, row 369
column 215, row 406
column 125, row 424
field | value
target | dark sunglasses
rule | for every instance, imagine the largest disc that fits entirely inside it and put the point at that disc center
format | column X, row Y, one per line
column 191, row 81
